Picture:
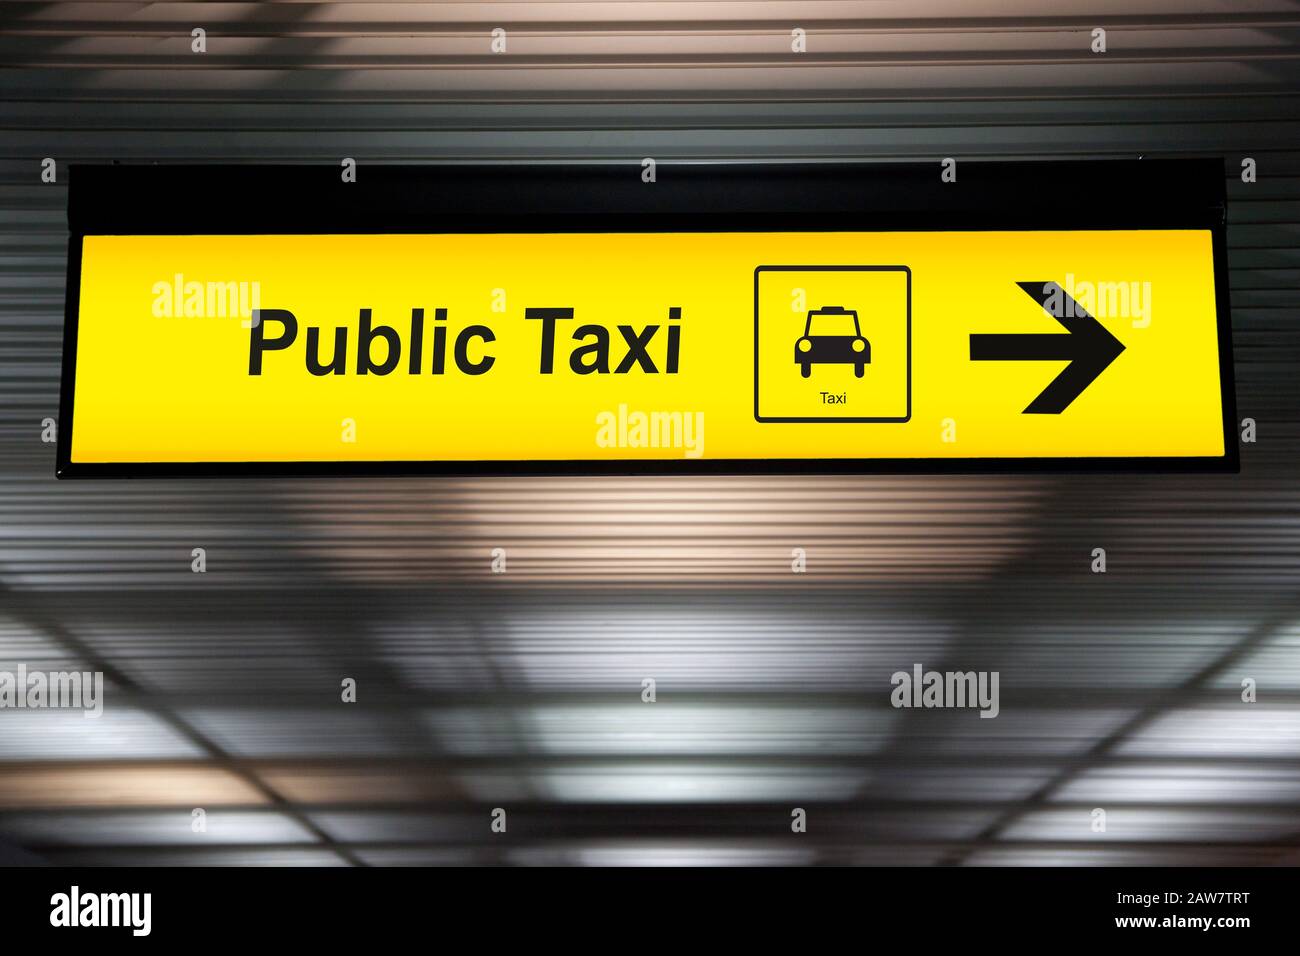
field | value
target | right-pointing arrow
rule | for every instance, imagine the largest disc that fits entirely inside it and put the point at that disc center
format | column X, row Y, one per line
column 1087, row 346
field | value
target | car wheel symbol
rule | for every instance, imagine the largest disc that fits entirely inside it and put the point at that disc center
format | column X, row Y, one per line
column 805, row 369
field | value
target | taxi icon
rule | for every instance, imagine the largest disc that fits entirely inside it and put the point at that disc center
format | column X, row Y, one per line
column 832, row 349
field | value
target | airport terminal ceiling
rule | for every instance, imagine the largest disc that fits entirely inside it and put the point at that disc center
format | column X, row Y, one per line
column 525, row 689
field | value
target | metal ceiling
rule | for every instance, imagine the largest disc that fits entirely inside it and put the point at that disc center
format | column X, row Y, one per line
column 523, row 690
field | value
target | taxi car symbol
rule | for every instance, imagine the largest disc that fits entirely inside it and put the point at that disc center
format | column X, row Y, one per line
column 813, row 349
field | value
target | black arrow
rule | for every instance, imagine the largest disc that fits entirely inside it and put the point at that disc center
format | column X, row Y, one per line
column 1087, row 346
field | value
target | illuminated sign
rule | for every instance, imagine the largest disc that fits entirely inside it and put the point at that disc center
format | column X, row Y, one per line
column 582, row 343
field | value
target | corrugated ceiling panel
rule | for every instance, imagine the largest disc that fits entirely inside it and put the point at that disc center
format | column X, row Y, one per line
column 475, row 689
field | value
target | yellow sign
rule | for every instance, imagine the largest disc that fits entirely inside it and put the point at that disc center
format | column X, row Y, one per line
column 962, row 346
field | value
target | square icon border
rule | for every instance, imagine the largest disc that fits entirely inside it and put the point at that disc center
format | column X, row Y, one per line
column 895, row 420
